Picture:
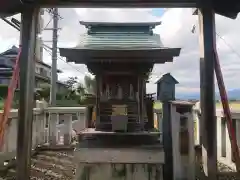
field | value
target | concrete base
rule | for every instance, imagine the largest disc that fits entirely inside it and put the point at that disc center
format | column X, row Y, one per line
column 119, row 156
column 139, row 155
column 119, row 172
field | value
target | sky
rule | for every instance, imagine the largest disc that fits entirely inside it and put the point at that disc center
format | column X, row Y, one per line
column 175, row 32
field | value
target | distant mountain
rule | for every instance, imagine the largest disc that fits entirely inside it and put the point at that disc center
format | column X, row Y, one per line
column 232, row 94
column 186, row 96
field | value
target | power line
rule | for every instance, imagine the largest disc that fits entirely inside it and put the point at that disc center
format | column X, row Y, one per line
column 233, row 50
column 46, row 47
column 53, row 13
column 193, row 30
column 61, row 59
column 48, row 23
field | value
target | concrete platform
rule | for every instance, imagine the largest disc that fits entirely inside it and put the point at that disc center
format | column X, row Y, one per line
column 116, row 147
column 133, row 155
column 92, row 131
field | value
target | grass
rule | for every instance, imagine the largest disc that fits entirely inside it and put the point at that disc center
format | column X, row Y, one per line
column 1, row 103
column 157, row 105
column 233, row 105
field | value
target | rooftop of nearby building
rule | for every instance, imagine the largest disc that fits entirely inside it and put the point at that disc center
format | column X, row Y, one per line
column 11, row 53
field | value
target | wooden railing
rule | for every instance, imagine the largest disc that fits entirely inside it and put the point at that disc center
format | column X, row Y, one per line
column 51, row 126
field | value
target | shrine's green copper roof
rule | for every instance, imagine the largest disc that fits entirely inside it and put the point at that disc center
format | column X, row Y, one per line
column 119, row 39
column 120, row 42
column 120, row 35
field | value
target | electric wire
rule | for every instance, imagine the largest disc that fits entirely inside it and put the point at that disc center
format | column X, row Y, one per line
column 48, row 23
column 229, row 46
column 46, row 46
column 61, row 59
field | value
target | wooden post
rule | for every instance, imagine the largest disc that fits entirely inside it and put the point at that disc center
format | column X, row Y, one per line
column 176, row 156
column 26, row 102
column 167, row 141
column 140, row 102
column 97, row 101
column 191, row 150
column 67, row 129
column 53, row 128
column 166, row 94
column 46, row 124
column 207, row 40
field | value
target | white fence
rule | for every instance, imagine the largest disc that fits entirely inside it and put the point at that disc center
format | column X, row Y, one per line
column 51, row 125
column 224, row 152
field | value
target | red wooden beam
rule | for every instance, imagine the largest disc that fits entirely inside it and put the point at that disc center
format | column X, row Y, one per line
column 227, row 111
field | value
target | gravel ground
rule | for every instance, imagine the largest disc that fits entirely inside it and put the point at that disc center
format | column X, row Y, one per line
column 224, row 168
column 49, row 165
column 224, row 173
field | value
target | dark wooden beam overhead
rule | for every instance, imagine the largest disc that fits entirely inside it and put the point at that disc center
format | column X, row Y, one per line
column 228, row 8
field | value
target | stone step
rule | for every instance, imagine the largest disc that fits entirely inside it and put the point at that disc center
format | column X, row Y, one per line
column 60, row 154
column 56, row 170
column 54, row 159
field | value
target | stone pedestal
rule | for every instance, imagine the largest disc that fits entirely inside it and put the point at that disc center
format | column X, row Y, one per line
column 114, row 156
column 112, row 171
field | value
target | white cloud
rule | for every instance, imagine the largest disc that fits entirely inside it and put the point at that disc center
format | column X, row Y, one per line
column 175, row 31
column 71, row 30
column 115, row 15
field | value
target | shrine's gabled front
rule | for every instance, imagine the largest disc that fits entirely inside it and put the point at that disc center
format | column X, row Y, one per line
column 121, row 56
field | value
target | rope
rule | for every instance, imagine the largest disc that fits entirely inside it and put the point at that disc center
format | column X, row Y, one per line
column 4, row 121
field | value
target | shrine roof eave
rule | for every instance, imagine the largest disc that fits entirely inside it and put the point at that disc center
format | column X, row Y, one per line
column 93, row 23
column 150, row 55
column 224, row 7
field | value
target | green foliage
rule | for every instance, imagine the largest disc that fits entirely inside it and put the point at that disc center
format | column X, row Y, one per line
column 43, row 92
column 75, row 90
column 75, row 93
column 71, row 82
column 1, row 103
column 90, row 85
column 3, row 91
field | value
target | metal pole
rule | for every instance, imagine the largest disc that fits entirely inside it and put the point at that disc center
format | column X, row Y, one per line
column 54, row 58
column 27, row 77
column 207, row 41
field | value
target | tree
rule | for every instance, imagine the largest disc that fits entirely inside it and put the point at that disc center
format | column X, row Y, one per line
column 43, row 92
column 71, row 82
column 80, row 89
column 90, row 85
column 75, row 89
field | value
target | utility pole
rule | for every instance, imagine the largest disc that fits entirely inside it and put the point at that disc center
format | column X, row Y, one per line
column 54, row 119
column 54, row 58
